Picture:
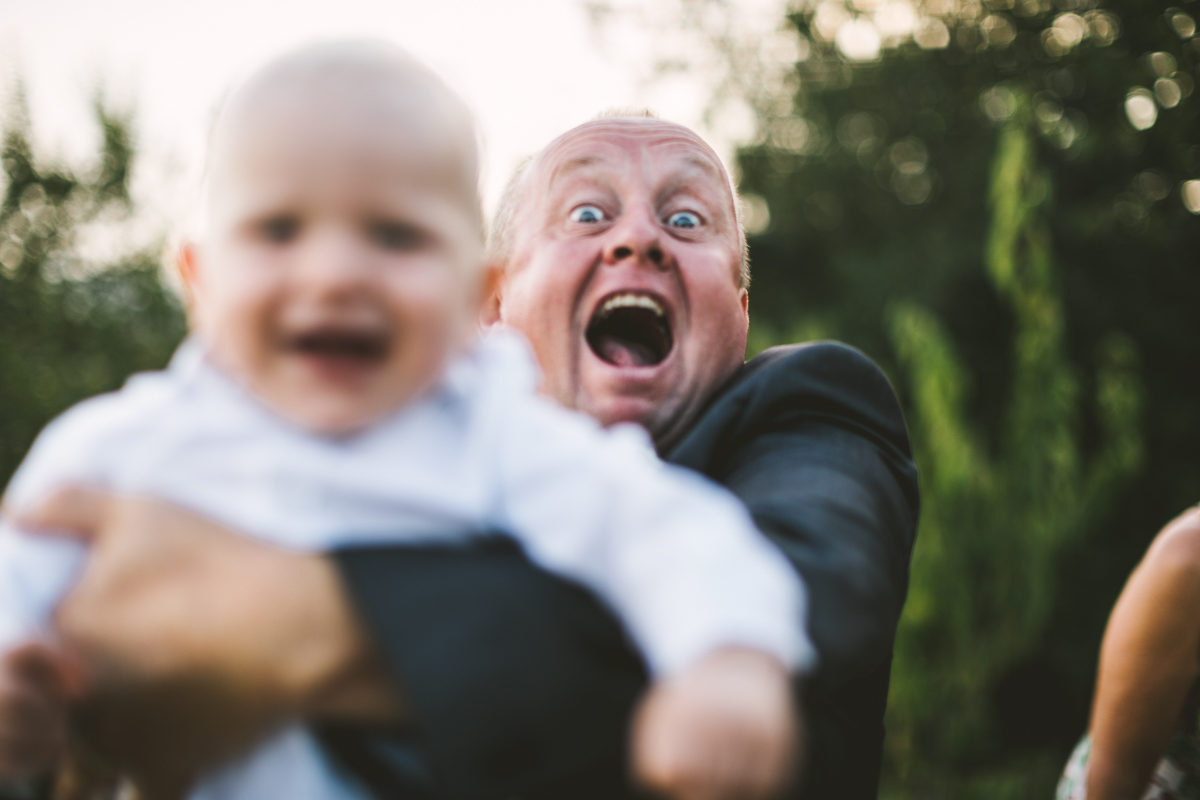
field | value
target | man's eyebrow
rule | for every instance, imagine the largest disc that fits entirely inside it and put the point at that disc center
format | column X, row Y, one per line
column 688, row 177
column 573, row 164
column 705, row 165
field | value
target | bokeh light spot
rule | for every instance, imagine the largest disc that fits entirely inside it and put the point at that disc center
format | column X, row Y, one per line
column 860, row 131
column 1190, row 192
column 1103, row 26
column 909, row 155
column 912, row 189
column 1168, row 92
column 829, row 19
column 998, row 104
column 859, row 40
column 1163, row 64
column 1183, row 24
column 1141, row 109
column 1069, row 29
column 1152, row 184
column 932, row 34
column 896, row 20
column 998, row 30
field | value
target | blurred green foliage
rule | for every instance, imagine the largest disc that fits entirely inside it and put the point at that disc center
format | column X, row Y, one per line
column 71, row 328
column 992, row 200
column 994, row 523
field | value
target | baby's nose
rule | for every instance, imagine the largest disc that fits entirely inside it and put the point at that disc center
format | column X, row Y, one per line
column 333, row 260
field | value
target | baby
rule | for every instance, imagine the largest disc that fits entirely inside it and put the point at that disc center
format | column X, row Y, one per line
column 335, row 392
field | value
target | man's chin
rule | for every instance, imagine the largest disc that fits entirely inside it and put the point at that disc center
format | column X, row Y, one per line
column 616, row 409
column 614, row 395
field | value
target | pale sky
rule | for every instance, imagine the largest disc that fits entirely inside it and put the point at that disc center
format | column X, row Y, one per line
column 530, row 69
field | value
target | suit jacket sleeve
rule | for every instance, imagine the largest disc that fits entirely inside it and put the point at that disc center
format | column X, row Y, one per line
column 811, row 438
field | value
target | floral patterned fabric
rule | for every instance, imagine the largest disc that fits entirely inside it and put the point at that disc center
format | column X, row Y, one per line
column 1177, row 776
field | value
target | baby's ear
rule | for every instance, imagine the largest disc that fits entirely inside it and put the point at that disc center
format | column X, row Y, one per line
column 187, row 265
column 491, row 284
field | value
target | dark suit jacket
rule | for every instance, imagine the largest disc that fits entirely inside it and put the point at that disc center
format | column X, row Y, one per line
column 523, row 684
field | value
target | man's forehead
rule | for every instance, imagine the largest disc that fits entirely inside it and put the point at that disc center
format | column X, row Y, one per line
column 616, row 145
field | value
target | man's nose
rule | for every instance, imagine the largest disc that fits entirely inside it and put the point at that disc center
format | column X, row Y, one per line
column 636, row 236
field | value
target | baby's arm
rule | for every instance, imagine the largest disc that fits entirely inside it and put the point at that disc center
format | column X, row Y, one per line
column 714, row 608
column 725, row 727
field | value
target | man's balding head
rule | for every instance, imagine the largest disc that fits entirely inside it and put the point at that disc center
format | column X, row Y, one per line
column 624, row 263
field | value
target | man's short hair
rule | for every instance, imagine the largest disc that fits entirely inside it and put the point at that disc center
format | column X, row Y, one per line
column 502, row 231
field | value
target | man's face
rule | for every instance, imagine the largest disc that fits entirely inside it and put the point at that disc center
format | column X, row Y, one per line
column 624, row 273
column 340, row 267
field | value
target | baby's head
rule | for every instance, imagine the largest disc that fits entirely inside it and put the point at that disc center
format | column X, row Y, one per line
column 339, row 263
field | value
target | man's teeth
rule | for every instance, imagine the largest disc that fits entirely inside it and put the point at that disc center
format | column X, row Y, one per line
column 630, row 300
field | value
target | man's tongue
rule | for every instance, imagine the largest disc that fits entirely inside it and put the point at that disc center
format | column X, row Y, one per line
column 622, row 352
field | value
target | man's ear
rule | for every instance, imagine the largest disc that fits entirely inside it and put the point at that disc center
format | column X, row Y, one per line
column 745, row 298
column 493, row 280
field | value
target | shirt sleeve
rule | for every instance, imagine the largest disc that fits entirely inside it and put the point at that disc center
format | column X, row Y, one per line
column 77, row 447
column 675, row 556
column 36, row 571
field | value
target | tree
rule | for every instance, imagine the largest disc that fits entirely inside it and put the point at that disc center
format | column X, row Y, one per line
column 70, row 328
column 993, row 523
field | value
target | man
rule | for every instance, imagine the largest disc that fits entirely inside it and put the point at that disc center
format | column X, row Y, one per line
column 622, row 259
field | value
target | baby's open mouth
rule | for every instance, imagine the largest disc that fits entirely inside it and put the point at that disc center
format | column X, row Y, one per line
column 341, row 345
column 630, row 329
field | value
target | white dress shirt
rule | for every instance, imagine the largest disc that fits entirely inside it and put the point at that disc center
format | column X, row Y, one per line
column 676, row 557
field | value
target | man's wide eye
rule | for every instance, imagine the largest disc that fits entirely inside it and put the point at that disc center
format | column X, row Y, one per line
column 684, row 219
column 587, row 214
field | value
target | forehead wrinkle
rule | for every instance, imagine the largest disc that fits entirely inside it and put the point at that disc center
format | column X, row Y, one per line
column 572, row 165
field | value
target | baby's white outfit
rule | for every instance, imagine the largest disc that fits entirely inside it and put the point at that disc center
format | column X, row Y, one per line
column 677, row 558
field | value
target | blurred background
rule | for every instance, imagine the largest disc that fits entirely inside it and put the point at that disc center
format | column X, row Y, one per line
column 996, row 200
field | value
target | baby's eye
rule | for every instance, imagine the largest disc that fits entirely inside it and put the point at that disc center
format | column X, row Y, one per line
column 587, row 214
column 395, row 235
column 684, row 219
column 280, row 230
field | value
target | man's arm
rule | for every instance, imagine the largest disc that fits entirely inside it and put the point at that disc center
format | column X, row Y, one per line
column 193, row 640
column 811, row 438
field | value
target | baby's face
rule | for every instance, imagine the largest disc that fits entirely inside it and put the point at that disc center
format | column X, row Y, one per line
column 339, row 272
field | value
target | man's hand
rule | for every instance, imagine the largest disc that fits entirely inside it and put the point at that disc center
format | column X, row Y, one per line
column 33, row 711
column 725, row 729
column 197, row 640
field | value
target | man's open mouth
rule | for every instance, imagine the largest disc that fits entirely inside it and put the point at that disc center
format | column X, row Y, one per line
column 630, row 329
column 342, row 345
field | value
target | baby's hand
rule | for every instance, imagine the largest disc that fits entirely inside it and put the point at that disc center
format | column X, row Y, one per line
column 725, row 729
column 33, row 711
